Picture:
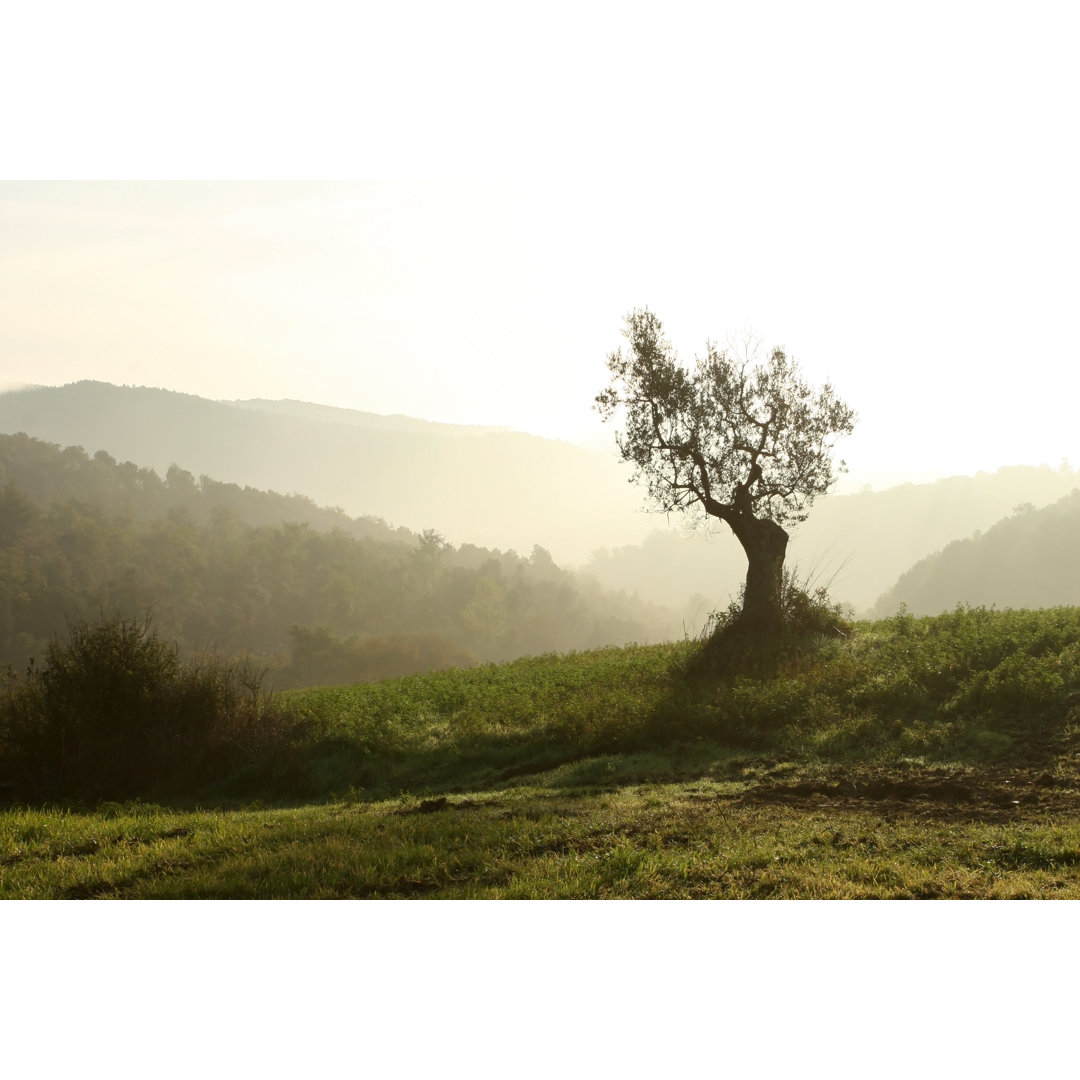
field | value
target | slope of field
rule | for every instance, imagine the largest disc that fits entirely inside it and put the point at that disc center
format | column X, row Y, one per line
column 935, row 757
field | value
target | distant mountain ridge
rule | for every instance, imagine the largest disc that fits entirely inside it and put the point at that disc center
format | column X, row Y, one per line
column 501, row 489
column 861, row 543
column 333, row 414
column 508, row 490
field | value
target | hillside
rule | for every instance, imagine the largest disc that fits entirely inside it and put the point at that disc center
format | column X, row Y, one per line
column 491, row 488
column 45, row 474
column 506, row 490
column 1029, row 559
column 317, row 595
column 914, row 758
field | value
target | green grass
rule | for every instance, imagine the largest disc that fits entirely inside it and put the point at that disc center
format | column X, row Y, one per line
column 934, row 757
column 971, row 685
column 687, row 840
column 460, row 730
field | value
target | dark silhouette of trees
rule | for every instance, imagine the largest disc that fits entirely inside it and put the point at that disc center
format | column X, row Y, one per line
column 747, row 442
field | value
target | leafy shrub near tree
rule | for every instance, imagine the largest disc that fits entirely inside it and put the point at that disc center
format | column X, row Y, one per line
column 808, row 616
column 114, row 712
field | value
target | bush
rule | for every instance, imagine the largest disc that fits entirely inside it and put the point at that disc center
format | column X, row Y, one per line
column 809, row 615
column 115, row 713
column 809, row 611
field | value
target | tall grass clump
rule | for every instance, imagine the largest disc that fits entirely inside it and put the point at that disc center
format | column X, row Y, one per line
column 114, row 712
column 810, row 618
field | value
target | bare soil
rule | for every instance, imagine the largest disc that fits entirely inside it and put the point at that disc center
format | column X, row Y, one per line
column 1004, row 795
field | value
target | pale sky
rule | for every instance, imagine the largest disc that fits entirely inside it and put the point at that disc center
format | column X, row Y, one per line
column 890, row 194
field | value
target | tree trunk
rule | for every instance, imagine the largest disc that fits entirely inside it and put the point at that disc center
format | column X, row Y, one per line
column 765, row 544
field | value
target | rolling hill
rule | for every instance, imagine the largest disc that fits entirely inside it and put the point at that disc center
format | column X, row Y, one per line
column 508, row 490
column 1030, row 559
column 494, row 488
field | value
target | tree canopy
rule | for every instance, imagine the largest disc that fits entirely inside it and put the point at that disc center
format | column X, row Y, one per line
column 747, row 442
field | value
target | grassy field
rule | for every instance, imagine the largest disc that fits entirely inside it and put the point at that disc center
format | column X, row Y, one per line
column 934, row 757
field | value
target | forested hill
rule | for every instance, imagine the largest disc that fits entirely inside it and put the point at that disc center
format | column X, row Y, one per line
column 320, row 596
column 1030, row 559
column 46, row 474
column 500, row 489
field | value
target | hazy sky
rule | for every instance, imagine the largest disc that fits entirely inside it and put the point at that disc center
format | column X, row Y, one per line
column 891, row 194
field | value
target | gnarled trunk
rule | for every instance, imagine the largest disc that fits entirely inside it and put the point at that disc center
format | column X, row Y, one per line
column 765, row 544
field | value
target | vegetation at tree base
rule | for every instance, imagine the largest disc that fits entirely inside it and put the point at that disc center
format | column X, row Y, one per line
column 749, row 444
column 933, row 756
column 225, row 568
column 806, row 613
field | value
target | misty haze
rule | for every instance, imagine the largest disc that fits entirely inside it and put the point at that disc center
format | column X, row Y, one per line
column 691, row 517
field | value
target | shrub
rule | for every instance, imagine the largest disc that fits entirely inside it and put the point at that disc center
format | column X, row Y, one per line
column 809, row 616
column 809, row 610
column 115, row 712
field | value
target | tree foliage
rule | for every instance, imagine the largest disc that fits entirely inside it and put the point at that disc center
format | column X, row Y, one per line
column 731, row 437
column 746, row 442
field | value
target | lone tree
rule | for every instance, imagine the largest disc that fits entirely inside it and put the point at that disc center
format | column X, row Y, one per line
column 748, row 443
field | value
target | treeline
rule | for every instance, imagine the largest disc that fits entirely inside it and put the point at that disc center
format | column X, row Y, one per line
column 496, row 489
column 46, row 474
column 1030, row 559
column 325, row 598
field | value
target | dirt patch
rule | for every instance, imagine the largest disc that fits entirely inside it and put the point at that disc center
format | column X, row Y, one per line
column 959, row 797
column 534, row 768
column 441, row 802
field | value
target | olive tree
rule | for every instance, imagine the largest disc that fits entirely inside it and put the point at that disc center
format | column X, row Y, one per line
column 744, row 441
